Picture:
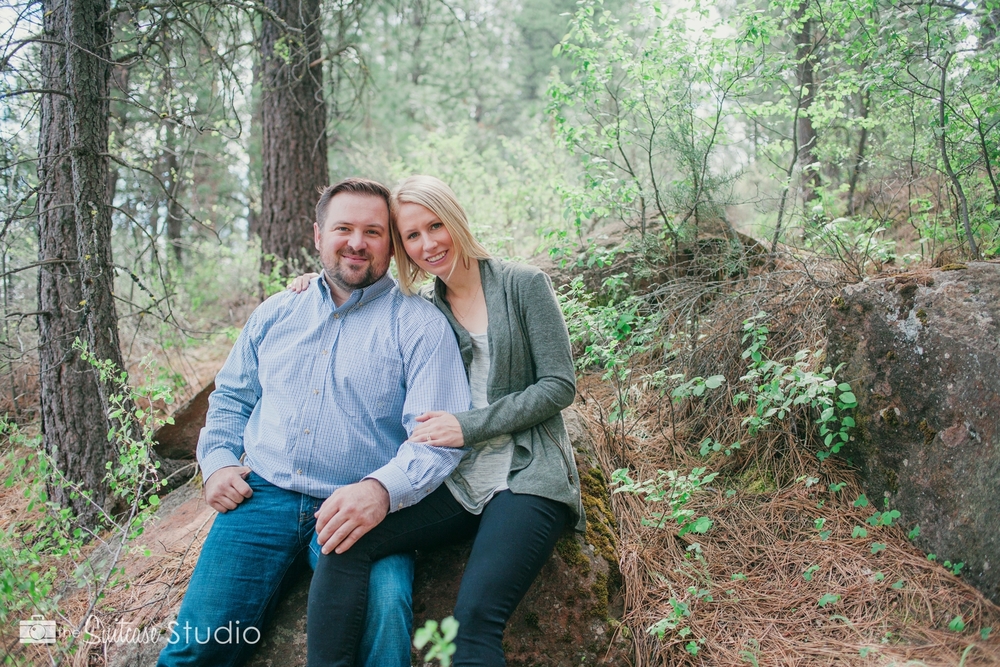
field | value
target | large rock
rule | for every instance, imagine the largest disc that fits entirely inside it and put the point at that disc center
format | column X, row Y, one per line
column 922, row 351
column 568, row 617
column 180, row 439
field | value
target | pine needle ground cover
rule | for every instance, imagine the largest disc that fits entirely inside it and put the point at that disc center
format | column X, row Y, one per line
column 743, row 538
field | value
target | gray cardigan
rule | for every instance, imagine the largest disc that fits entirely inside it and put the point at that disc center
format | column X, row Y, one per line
column 531, row 380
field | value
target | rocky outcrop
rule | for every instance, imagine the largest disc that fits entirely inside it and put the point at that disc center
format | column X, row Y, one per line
column 922, row 351
column 567, row 618
column 180, row 439
column 617, row 249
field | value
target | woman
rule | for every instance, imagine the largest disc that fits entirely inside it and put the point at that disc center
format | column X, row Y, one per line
column 518, row 486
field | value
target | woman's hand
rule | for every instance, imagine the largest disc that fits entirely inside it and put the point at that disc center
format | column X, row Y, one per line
column 301, row 284
column 440, row 429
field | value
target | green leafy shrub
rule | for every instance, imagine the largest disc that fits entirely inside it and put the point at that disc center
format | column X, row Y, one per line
column 441, row 641
column 674, row 489
column 779, row 389
column 36, row 546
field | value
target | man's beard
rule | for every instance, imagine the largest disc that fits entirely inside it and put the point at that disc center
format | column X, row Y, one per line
column 352, row 281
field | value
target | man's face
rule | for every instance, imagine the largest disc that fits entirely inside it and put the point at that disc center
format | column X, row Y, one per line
column 354, row 243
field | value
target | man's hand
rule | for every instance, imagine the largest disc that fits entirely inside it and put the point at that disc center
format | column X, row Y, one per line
column 440, row 429
column 349, row 513
column 227, row 488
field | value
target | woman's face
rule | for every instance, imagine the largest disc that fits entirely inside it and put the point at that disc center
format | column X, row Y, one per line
column 425, row 239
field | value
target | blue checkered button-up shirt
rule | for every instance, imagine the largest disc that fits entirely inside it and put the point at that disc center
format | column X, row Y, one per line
column 319, row 396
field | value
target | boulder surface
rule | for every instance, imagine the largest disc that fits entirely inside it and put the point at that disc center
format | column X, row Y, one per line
column 922, row 351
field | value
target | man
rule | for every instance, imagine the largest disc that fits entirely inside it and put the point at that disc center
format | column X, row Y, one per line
column 318, row 396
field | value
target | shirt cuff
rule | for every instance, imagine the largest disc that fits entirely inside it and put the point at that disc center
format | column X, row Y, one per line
column 220, row 458
column 395, row 481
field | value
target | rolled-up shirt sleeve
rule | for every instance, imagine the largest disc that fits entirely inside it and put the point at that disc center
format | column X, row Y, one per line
column 435, row 380
column 237, row 393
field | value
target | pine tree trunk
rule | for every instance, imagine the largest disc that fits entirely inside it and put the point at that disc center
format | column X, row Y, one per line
column 805, row 73
column 293, row 121
column 175, row 221
column 74, row 227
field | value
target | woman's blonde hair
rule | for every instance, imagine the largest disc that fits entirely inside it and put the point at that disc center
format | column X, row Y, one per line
column 434, row 195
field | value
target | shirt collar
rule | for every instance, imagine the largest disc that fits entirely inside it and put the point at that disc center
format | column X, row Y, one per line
column 359, row 296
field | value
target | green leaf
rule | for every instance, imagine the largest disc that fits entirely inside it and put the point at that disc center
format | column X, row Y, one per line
column 848, row 397
column 715, row 381
column 154, row 500
column 862, row 501
column 899, row 584
column 449, row 628
column 556, row 50
column 423, row 635
column 877, row 547
column 859, row 531
column 985, row 633
column 828, row 598
column 914, row 532
column 957, row 624
column 700, row 525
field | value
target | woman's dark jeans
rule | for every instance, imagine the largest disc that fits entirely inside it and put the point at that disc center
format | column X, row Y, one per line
column 516, row 534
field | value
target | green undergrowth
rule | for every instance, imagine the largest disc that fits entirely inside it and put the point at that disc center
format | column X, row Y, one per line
column 736, row 446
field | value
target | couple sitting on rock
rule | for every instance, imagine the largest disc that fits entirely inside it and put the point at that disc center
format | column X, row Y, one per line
column 344, row 405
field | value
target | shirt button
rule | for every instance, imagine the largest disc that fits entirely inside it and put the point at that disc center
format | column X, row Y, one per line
column 323, row 352
column 299, row 471
column 307, row 431
column 315, row 391
column 336, row 316
column 399, row 506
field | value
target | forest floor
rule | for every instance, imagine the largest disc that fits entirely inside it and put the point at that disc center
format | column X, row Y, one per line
column 782, row 577
column 796, row 568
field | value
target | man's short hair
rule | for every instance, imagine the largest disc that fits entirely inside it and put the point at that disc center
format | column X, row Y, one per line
column 357, row 185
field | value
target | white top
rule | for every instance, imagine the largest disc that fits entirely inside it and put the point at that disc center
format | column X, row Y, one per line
column 483, row 472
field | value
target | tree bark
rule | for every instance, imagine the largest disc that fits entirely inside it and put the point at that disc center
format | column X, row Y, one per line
column 172, row 176
column 859, row 157
column 805, row 73
column 293, row 124
column 171, row 172
column 955, row 181
column 74, row 226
